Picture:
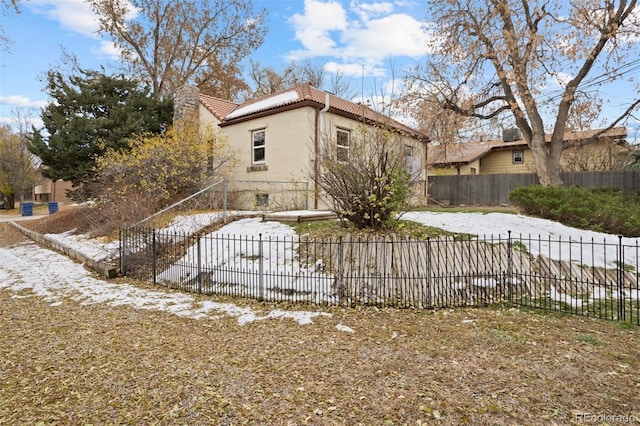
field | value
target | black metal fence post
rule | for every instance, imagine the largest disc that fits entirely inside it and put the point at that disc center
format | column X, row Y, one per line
column 622, row 315
column 340, row 278
column 123, row 248
column 154, row 265
column 199, row 254
column 509, row 283
column 260, row 268
column 428, row 292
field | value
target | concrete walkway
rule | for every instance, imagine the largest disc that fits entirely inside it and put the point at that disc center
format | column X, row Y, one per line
column 17, row 217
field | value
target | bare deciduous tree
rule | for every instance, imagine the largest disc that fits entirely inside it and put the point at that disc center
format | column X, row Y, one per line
column 18, row 166
column 172, row 43
column 7, row 6
column 501, row 54
column 268, row 80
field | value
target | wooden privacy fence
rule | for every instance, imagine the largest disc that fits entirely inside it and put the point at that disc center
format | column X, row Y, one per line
column 493, row 190
column 584, row 277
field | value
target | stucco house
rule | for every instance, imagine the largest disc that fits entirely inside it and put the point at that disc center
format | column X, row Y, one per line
column 512, row 155
column 278, row 138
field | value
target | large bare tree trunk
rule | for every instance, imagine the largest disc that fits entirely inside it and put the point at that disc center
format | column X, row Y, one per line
column 500, row 57
column 546, row 160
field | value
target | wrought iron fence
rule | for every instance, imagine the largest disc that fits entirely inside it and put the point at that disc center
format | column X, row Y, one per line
column 591, row 278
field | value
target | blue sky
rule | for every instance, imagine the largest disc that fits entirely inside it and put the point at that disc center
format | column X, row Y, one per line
column 363, row 39
column 370, row 41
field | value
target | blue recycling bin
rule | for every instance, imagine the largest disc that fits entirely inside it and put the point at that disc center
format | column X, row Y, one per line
column 53, row 207
column 26, row 209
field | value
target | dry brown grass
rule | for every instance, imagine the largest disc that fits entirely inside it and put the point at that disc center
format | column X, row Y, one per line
column 76, row 364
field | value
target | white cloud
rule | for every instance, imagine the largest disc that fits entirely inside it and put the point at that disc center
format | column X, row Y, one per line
column 355, row 69
column 368, row 34
column 108, row 49
column 28, row 111
column 16, row 127
column 367, row 11
column 562, row 79
column 313, row 28
column 392, row 35
column 19, row 101
column 73, row 15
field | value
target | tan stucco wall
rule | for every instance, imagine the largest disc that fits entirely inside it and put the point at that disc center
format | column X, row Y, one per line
column 286, row 173
column 289, row 143
column 290, row 139
column 206, row 118
column 333, row 122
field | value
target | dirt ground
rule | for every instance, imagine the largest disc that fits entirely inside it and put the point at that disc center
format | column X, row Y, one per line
column 97, row 364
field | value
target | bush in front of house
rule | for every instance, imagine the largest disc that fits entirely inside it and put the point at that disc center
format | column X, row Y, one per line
column 368, row 184
column 606, row 210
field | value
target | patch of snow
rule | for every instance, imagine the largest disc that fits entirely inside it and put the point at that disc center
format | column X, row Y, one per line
column 344, row 328
column 94, row 248
column 458, row 286
column 632, row 294
column 540, row 236
column 485, row 282
column 251, row 245
column 271, row 102
column 567, row 299
column 55, row 277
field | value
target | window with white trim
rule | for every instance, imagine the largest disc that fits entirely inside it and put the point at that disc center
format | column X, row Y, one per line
column 343, row 138
column 258, row 146
column 518, row 156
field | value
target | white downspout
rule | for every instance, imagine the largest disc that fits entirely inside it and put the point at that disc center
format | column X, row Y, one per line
column 320, row 147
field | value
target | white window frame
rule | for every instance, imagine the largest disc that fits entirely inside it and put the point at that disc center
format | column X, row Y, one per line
column 517, row 156
column 255, row 148
column 342, row 151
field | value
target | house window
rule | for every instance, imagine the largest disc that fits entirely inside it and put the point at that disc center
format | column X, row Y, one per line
column 518, row 157
column 259, row 145
column 342, row 145
column 408, row 151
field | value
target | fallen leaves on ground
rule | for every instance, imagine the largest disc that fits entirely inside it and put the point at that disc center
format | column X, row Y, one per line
column 75, row 364
column 98, row 364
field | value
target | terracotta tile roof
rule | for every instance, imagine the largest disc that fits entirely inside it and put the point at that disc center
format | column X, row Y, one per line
column 218, row 107
column 299, row 96
column 471, row 151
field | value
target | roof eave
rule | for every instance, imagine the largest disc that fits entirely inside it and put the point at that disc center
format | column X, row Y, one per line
column 316, row 105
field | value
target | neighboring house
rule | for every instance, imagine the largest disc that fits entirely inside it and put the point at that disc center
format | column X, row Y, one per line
column 277, row 139
column 512, row 155
column 47, row 190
